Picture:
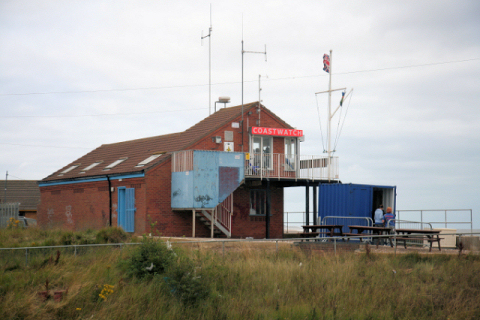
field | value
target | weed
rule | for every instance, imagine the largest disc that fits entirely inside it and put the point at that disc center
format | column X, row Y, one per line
column 150, row 258
column 111, row 235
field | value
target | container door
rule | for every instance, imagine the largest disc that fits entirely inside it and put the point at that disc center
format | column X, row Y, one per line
column 361, row 196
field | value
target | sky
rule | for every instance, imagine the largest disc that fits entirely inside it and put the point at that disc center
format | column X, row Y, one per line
column 78, row 74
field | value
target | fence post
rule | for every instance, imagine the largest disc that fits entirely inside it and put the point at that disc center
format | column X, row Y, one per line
column 26, row 257
column 335, row 245
column 75, row 251
column 223, row 248
column 446, row 219
column 276, row 246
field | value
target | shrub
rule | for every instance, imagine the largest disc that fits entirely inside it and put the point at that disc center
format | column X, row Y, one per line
column 149, row 258
column 111, row 235
column 184, row 282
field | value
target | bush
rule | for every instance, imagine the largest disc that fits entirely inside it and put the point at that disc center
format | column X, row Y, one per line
column 184, row 282
column 149, row 258
column 111, row 235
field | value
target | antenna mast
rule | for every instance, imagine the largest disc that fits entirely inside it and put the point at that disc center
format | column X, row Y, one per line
column 209, row 62
column 243, row 52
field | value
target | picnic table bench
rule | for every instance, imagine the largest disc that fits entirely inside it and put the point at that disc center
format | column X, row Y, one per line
column 372, row 230
column 417, row 234
column 314, row 230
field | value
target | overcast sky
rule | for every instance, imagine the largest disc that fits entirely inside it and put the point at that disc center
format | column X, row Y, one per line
column 78, row 74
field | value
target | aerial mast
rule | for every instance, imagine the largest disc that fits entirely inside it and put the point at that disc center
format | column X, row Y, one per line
column 209, row 36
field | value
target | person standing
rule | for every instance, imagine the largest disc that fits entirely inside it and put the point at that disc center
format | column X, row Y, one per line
column 379, row 222
column 389, row 216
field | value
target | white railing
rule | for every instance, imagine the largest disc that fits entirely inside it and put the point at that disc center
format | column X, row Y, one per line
column 279, row 165
column 182, row 161
column 225, row 211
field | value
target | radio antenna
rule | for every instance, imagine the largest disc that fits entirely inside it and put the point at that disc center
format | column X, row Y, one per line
column 243, row 52
column 209, row 36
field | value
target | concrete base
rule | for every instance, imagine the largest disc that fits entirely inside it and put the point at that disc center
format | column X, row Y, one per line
column 471, row 243
column 448, row 241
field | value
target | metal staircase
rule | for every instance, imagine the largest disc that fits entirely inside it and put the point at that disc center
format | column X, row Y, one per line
column 221, row 217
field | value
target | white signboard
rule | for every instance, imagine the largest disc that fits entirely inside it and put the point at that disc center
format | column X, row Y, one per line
column 228, row 146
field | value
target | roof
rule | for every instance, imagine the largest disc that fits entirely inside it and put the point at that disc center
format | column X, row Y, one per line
column 26, row 192
column 135, row 151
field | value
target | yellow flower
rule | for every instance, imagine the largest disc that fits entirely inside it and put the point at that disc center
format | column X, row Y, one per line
column 78, row 309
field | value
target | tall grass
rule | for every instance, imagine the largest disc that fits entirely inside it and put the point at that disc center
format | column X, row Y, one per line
column 246, row 283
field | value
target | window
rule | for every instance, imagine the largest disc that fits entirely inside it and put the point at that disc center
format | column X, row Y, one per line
column 290, row 153
column 69, row 169
column 262, row 150
column 90, row 166
column 115, row 163
column 148, row 160
column 258, row 202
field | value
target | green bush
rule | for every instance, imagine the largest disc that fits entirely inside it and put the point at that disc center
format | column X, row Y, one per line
column 149, row 258
column 185, row 282
column 111, row 235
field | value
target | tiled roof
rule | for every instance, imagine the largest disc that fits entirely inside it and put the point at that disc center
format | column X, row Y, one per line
column 135, row 151
column 26, row 192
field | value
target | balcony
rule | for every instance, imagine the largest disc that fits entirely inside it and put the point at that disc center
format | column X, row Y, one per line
column 279, row 165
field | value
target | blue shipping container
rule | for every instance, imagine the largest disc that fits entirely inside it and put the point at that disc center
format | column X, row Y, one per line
column 352, row 204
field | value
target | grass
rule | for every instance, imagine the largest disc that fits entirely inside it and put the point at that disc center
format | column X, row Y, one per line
column 198, row 282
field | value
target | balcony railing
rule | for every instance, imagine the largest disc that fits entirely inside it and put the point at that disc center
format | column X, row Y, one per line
column 279, row 165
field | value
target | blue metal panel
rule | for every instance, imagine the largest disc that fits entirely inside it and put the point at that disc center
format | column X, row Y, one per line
column 182, row 191
column 130, row 210
column 214, row 177
column 205, row 181
column 126, row 209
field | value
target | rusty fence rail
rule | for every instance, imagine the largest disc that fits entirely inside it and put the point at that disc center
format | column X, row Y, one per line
column 49, row 251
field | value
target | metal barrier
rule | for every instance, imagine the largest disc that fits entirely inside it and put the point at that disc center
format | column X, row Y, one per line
column 346, row 221
column 8, row 211
column 444, row 214
column 75, row 248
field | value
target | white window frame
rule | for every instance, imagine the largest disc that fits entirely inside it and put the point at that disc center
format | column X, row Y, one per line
column 114, row 164
column 266, row 157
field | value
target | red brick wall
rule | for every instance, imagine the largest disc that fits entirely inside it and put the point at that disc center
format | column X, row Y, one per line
column 244, row 225
column 76, row 206
column 80, row 206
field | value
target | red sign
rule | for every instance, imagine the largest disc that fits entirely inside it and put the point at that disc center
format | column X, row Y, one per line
column 277, row 132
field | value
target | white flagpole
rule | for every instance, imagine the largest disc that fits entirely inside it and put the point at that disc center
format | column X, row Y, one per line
column 330, row 118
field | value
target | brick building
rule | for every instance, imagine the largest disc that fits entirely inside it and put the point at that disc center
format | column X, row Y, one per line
column 228, row 168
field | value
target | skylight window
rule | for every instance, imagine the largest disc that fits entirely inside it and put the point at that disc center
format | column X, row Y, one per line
column 91, row 166
column 115, row 163
column 69, row 169
column 148, row 160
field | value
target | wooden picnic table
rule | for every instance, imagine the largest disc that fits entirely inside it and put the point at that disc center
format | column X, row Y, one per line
column 311, row 231
column 418, row 234
column 330, row 227
column 373, row 230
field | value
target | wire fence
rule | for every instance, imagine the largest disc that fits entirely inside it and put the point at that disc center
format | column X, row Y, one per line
column 18, row 256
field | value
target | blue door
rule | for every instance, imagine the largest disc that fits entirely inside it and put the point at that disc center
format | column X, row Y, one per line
column 126, row 208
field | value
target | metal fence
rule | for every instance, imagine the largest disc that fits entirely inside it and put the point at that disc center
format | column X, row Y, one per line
column 8, row 211
column 435, row 217
column 48, row 253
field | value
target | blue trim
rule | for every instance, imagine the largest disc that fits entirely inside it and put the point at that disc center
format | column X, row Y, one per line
column 53, row 183
column 126, row 176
